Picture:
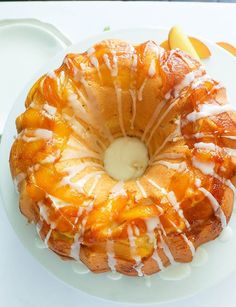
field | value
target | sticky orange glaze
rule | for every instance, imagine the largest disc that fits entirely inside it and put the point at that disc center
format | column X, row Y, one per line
column 71, row 116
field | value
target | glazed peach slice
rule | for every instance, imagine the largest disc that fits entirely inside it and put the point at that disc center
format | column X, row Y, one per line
column 230, row 48
column 165, row 45
column 177, row 39
column 201, row 49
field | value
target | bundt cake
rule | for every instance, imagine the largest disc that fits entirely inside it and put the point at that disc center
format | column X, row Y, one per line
column 160, row 114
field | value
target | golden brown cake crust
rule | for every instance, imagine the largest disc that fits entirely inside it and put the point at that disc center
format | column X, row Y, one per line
column 165, row 98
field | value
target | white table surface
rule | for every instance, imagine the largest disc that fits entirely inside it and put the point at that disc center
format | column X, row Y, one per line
column 23, row 282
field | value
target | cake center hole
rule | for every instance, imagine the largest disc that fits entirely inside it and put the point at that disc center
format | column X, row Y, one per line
column 126, row 158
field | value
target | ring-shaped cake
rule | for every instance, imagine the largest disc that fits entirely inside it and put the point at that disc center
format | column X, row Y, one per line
column 114, row 90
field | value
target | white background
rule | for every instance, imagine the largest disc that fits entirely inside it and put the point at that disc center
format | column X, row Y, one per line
column 23, row 282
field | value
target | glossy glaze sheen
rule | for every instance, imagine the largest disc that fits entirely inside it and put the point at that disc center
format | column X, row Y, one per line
column 113, row 90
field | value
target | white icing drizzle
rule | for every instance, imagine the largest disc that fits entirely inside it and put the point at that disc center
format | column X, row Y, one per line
column 43, row 133
column 96, row 180
column 166, row 249
column 79, row 184
column 43, row 212
column 199, row 135
column 77, row 108
column 75, row 248
column 205, row 168
column 138, row 266
column 200, row 257
column 94, row 60
column 141, row 188
column 77, row 145
column 38, row 134
column 197, row 82
column 79, row 268
column 168, row 139
column 232, row 137
column 114, row 275
column 133, row 95
column 75, row 170
column 33, row 168
column 215, row 206
column 76, row 150
column 118, row 189
column 134, row 62
column 69, row 154
column 131, row 236
column 91, row 51
column 38, row 227
column 214, row 147
column 153, row 183
column 140, row 90
column 151, row 225
column 189, row 243
column 111, row 256
column 91, row 101
column 208, row 169
column 170, row 156
column 153, row 118
column 175, row 226
column 39, row 243
column 50, row 110
column 51, row 158
column 119, row 107
column 152, row 68
column 206, row 110
column 158, row 260
column 60, row 80
column 157, row 124
column 138, row 263
column 48, row 237
column 136, row 230
column 56, row 202
column 189, row 79
column 172, row 199
column 207, row 146
column 115, row 64
column 51, row 74
column 90, row 138
column 180, row 167
column 198, row 182
column 18, row 179
column 113, row 68
column 226, row 234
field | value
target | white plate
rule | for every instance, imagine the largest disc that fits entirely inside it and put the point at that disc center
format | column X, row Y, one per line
column 22, row 39
column 221, row 256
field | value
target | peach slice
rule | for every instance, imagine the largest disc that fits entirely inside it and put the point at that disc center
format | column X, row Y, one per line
column 165, row 45
column 177, row 39
column 202, row 50
column 230, row 48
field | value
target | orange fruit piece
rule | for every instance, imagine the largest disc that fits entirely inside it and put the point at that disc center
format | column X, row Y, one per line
column 177, row 39
column 165, row 45
column 202, row 50
column 192, row 45
column 230, row 48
